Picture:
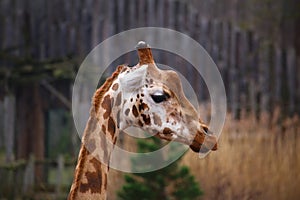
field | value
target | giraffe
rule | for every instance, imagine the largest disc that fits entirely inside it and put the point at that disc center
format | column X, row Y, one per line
column 142, row 96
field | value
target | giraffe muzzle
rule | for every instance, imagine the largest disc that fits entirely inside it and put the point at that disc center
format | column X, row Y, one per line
column 204, row 141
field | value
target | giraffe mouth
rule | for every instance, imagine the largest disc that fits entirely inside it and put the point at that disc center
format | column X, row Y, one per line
column 203, row 142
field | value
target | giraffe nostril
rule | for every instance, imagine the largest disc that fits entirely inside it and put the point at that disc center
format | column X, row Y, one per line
column 205, row 128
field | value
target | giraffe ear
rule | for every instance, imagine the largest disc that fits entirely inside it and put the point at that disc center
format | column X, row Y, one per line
column 135, row 79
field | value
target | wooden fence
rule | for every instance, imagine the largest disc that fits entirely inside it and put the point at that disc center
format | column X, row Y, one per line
column 258, row 75
column 21, row 182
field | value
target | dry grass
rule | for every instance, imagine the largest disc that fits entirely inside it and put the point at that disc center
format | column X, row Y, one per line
column 255, row 160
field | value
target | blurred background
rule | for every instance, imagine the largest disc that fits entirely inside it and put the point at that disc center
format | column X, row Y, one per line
column 255, row 44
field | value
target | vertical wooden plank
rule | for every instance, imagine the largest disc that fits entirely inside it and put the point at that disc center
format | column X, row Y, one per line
column 180, row 14
column 72, row 40
column 52, row 42
column 18, row 24
column 84, row 27
column 248, row 42
column 171, row 16
column 233, row 90
column 170, row 24
column 49, row 31
column 2, row 22
column 43, row 33
column 29, row 175
column 151, row 13
column 42, row 30
column 291, row 79
column 264, row 77
column 108, row 27
column 284, row 96
column 33, row 24
column 180, row 26
column 278, row 73
column 224, row 55
column 67, row 10
column 225, row 43
column 115, row 16
column 192, row 29
column 37, row 124
column 59, row 175
column 297, row 86
column 242, row 68
column 61, row 29
column 121, row 15
column 204, row 40
column 215, row 40
column 8, row 32
column 203, row 32
column 127, row 16
column 176, row 14
column 142, row 13
column 9, row 127
column 62, row 38
column 161, row 13
column 252, row 68
column 1, row 124
column 96, row 24
column 133, row 16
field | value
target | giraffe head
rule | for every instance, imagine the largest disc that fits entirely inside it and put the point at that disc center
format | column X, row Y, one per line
column 155, row 102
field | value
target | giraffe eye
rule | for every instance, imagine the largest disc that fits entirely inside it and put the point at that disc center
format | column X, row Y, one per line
column 159, row 96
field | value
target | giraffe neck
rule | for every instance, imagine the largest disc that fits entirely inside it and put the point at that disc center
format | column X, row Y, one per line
column 100, row 135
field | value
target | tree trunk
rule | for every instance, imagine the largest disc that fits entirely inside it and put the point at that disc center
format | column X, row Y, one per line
column 9, row 127
column 31, row 128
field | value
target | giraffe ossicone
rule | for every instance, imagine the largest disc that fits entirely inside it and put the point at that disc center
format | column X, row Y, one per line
column 142, row 96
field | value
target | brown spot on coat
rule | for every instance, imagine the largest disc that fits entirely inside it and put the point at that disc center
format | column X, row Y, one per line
column 143, row 106
column 94, row 179
column 105, row 182
column 127, row 111
column 91, row 146
column 106, row 104
column 105, row 150
column 140, row 123
column 103, row 129
column 118, row 119
column 146, row 119
column 167, row 131
column 92, row 123
column 135, row 111
column 111, row 126
column 115, row 86
column 115, row 140
column 118, row 99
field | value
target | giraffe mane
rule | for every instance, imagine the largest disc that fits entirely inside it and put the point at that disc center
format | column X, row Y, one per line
column 107, row 84
column 97, row 98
